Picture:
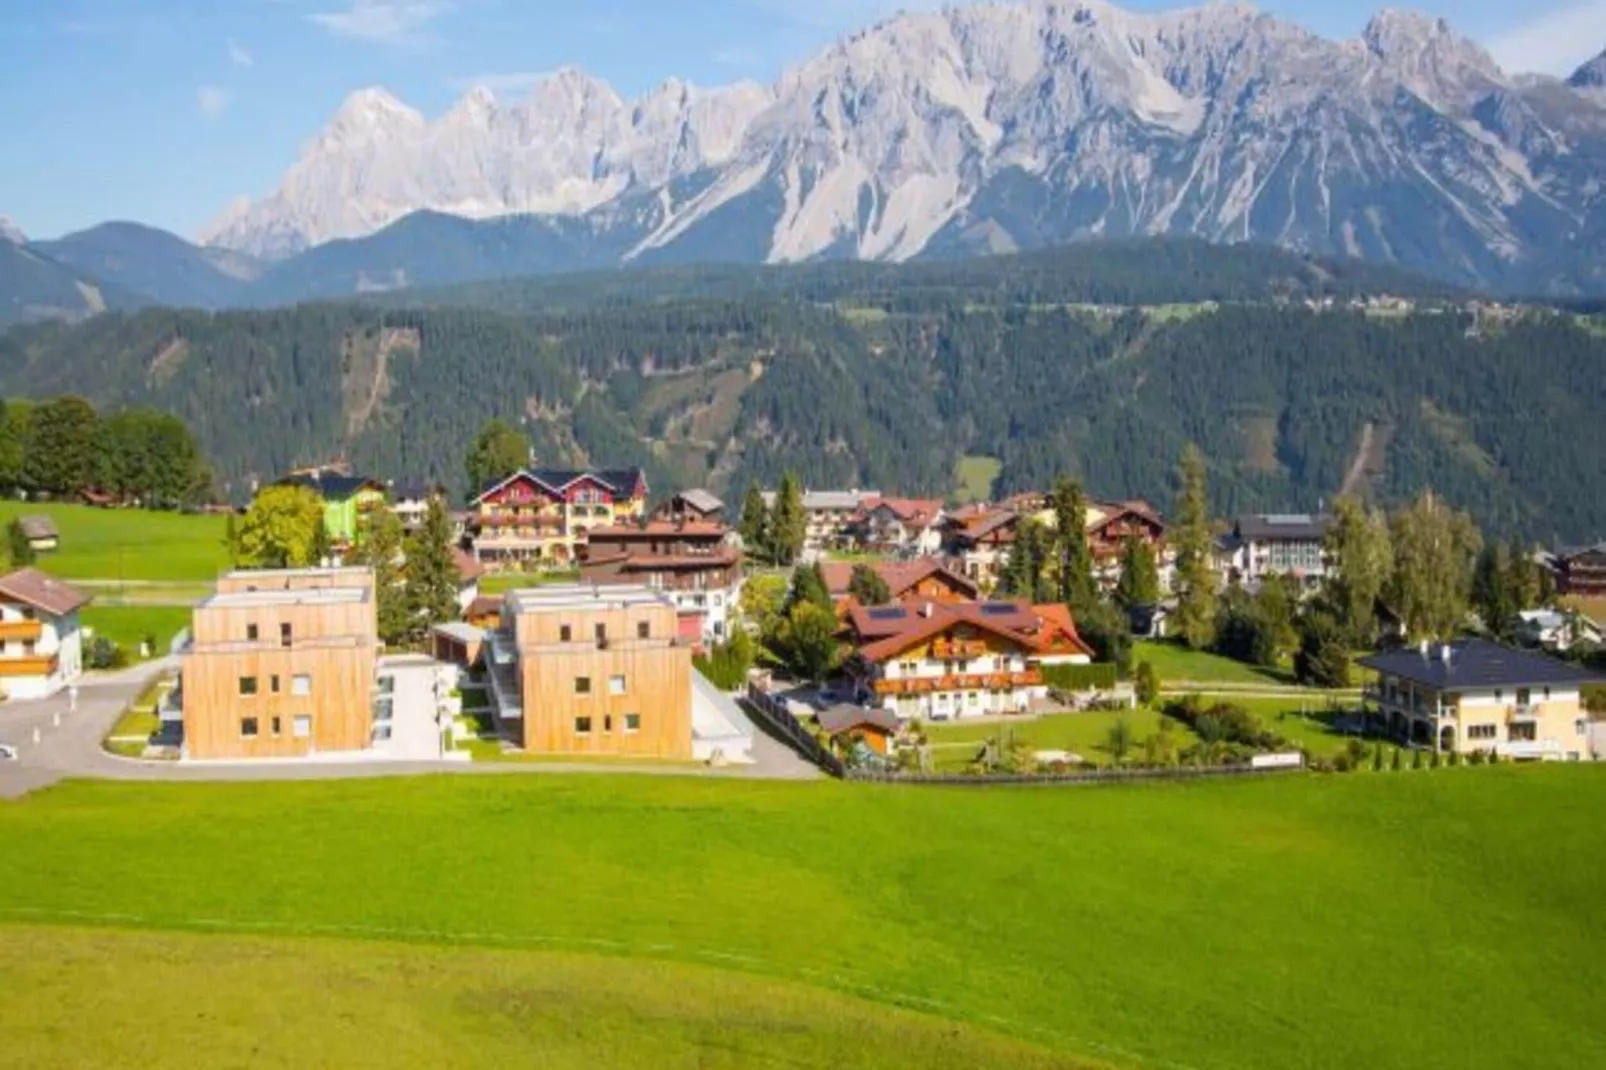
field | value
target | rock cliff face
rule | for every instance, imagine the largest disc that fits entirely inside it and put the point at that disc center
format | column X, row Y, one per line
column 1005, row 126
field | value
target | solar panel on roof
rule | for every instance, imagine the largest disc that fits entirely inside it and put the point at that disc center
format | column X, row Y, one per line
column 889, row 613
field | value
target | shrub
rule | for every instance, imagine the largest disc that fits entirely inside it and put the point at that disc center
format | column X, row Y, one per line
column 1399, row 761
column 1146, row 682
column 1416, row 759
column 1454, row 759
column 105, row 654
column 1098, row 677
column 1435, row 762
column 1323, row 657
column 1494, row 756
column 1377, row 758
column 1222, row 722
column 1475, row 758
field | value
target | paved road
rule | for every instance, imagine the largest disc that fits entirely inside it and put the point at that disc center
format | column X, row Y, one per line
column 70, row 746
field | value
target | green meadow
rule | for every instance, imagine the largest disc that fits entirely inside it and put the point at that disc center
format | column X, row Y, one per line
column 128, row 544
column 1380, row 920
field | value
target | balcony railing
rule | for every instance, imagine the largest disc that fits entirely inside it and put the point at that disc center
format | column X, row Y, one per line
column 921, row 685
column 21, row 629
column 29, row 666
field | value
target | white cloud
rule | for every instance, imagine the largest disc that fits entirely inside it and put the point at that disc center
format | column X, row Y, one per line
column 387, row 21
column 1555, row 42
column 239, row 56
column 503, row 83
column 212, row 100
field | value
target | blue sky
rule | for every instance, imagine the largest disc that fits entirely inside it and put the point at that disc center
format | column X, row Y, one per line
column 165, row 110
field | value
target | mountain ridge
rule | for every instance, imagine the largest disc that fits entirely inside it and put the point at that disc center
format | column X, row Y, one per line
column 1004, row 126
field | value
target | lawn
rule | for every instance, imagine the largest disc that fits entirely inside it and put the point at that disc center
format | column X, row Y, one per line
column 128, row 544
column 502, row 582
column 1176, row 663
column 1289, row 921
column 127, row 626
column 1080, row 733
column 975, row 477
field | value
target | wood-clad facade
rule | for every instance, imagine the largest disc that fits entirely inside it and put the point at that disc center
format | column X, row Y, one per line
column 281, row 665
column 602, row 672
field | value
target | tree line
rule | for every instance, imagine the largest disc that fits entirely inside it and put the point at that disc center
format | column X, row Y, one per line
column 62, row 447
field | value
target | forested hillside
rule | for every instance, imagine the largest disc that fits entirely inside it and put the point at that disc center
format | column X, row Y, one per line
column 885, row 390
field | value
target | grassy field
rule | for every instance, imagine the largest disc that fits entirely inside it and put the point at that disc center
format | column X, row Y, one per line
column 127, row 626
column 975, row 477
column 128, row 544
column 583, row 921
column 502, row 582
column 1173, row 661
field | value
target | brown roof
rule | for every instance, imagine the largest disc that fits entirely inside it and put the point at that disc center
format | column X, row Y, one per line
column 483, row 606
column 899, row 576
column 1039, row 629
column 707, row 528
column 844, row 718
column 468, row 566
column 916, row 512
column 636, row 559
column 32, row 587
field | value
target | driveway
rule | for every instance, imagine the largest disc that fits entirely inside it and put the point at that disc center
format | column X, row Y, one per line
column 69, row 745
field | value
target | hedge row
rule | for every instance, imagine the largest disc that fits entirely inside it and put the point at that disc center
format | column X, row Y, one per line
column 1101, row 677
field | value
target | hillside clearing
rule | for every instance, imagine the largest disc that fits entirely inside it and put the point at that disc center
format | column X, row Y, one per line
column 1269, row 923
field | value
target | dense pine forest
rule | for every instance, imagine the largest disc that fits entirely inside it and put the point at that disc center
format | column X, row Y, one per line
column 888, row 387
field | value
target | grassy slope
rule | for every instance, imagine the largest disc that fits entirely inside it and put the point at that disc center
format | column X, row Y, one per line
column 1344, row 921
column 128, row 625
column 390, row 1006
column 975, row 476
column 131, row 544
column 1174, row 661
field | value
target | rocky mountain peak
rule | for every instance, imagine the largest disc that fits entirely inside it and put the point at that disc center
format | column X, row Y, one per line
column 10, row 232
column 1591, row 75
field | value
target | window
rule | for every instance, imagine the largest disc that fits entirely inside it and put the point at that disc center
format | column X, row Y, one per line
column 643, row 630
column 632, row 723
column 251, row 633
column 301, row 684
column 27, row 648
column 248, row 685
column 284, row 634
column 616, row 685
column 1499, row 695
column 602, row 632
column 1482, row 731
column 248, row 728
column 607, row 723
column 273, row 683
column 274, row 727
column 582, row 726
column 1580, row 727
column 582, row 685
column 302, row 726
column 565, row 633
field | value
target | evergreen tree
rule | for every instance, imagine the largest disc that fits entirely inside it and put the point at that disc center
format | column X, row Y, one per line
column 867, row 586
column 1146, row 684
column 788, row 525
column 1435, row 549
column 755, row 525
column 1028, row 556
column 1360, row 559
column 1323, row 656
column 15, row 432
column 381, row 550
column 1196, row 580
column 499, row 450
column 1139, row 584
column 432, row 573
column 1073, row 559
column 282, row 529
column 1492, row 595
column 809, row 586
column 231, row 538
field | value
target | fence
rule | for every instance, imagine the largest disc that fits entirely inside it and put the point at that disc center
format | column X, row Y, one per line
column 1092, row 776
column 775, row 716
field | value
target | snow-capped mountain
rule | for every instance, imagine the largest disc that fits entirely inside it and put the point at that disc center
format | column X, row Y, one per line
column 1001, row 126
column 10, row 232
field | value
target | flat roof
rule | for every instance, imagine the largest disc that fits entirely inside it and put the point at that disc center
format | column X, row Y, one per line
column 584, row 596
column 267, row 574
column 301, row 596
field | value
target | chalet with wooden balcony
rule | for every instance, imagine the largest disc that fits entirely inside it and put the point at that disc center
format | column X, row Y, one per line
column 1476, row 695
column 908, row 526
column 1581, row 571
column 945, row 661
column 695, row 505
column 695, row 563
column 41, row 642
column 541, row 518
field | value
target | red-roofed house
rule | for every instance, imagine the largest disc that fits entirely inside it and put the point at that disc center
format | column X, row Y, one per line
column 943, row 661
column 922, row 579
column 41, row 644
column 981, row 544
column 902, row 525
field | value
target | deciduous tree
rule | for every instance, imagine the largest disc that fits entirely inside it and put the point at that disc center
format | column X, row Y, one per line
column 1435, row 548
column 432, row 574
column 499, row 450
column 282, row 529
column 1360, row 561
column 867, row 586
column 381, row 549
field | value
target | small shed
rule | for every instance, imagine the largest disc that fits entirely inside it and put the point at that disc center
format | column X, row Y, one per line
column 40, row 531
column 878, row 726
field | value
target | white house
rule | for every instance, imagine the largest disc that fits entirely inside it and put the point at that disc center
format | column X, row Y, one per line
column 1277, row 545
column 41, row 643
column 1556, row 630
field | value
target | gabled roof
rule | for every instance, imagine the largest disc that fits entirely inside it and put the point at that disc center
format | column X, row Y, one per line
column 46, row 593
column 913, row 512
column 899, row 576
column 701, row 500
column 331, row 486
column 622, row 481
column 887, row 631
column 1298, row 526
column 468, row 567
column 1478, row 664
column 845, row 718
column 1567, row 553
column 980, row 527
column 38, row 527
column 1108, row 511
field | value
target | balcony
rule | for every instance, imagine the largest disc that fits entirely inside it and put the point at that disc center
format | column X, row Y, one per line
column 956, row 649
column 24, row 630
column 31, row 666
column 1524, row 711
column 922, row 685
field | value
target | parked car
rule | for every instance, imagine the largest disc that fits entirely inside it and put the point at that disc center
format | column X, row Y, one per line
column 8, row 753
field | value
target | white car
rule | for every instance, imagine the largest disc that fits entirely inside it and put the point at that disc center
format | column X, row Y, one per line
column 8, row 753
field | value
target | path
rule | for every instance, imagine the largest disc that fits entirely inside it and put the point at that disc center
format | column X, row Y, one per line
column 1357, row 468
column 70, row 746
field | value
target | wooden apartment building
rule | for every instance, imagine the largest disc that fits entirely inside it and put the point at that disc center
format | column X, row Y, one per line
column 594, row 670
column 281, row 664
